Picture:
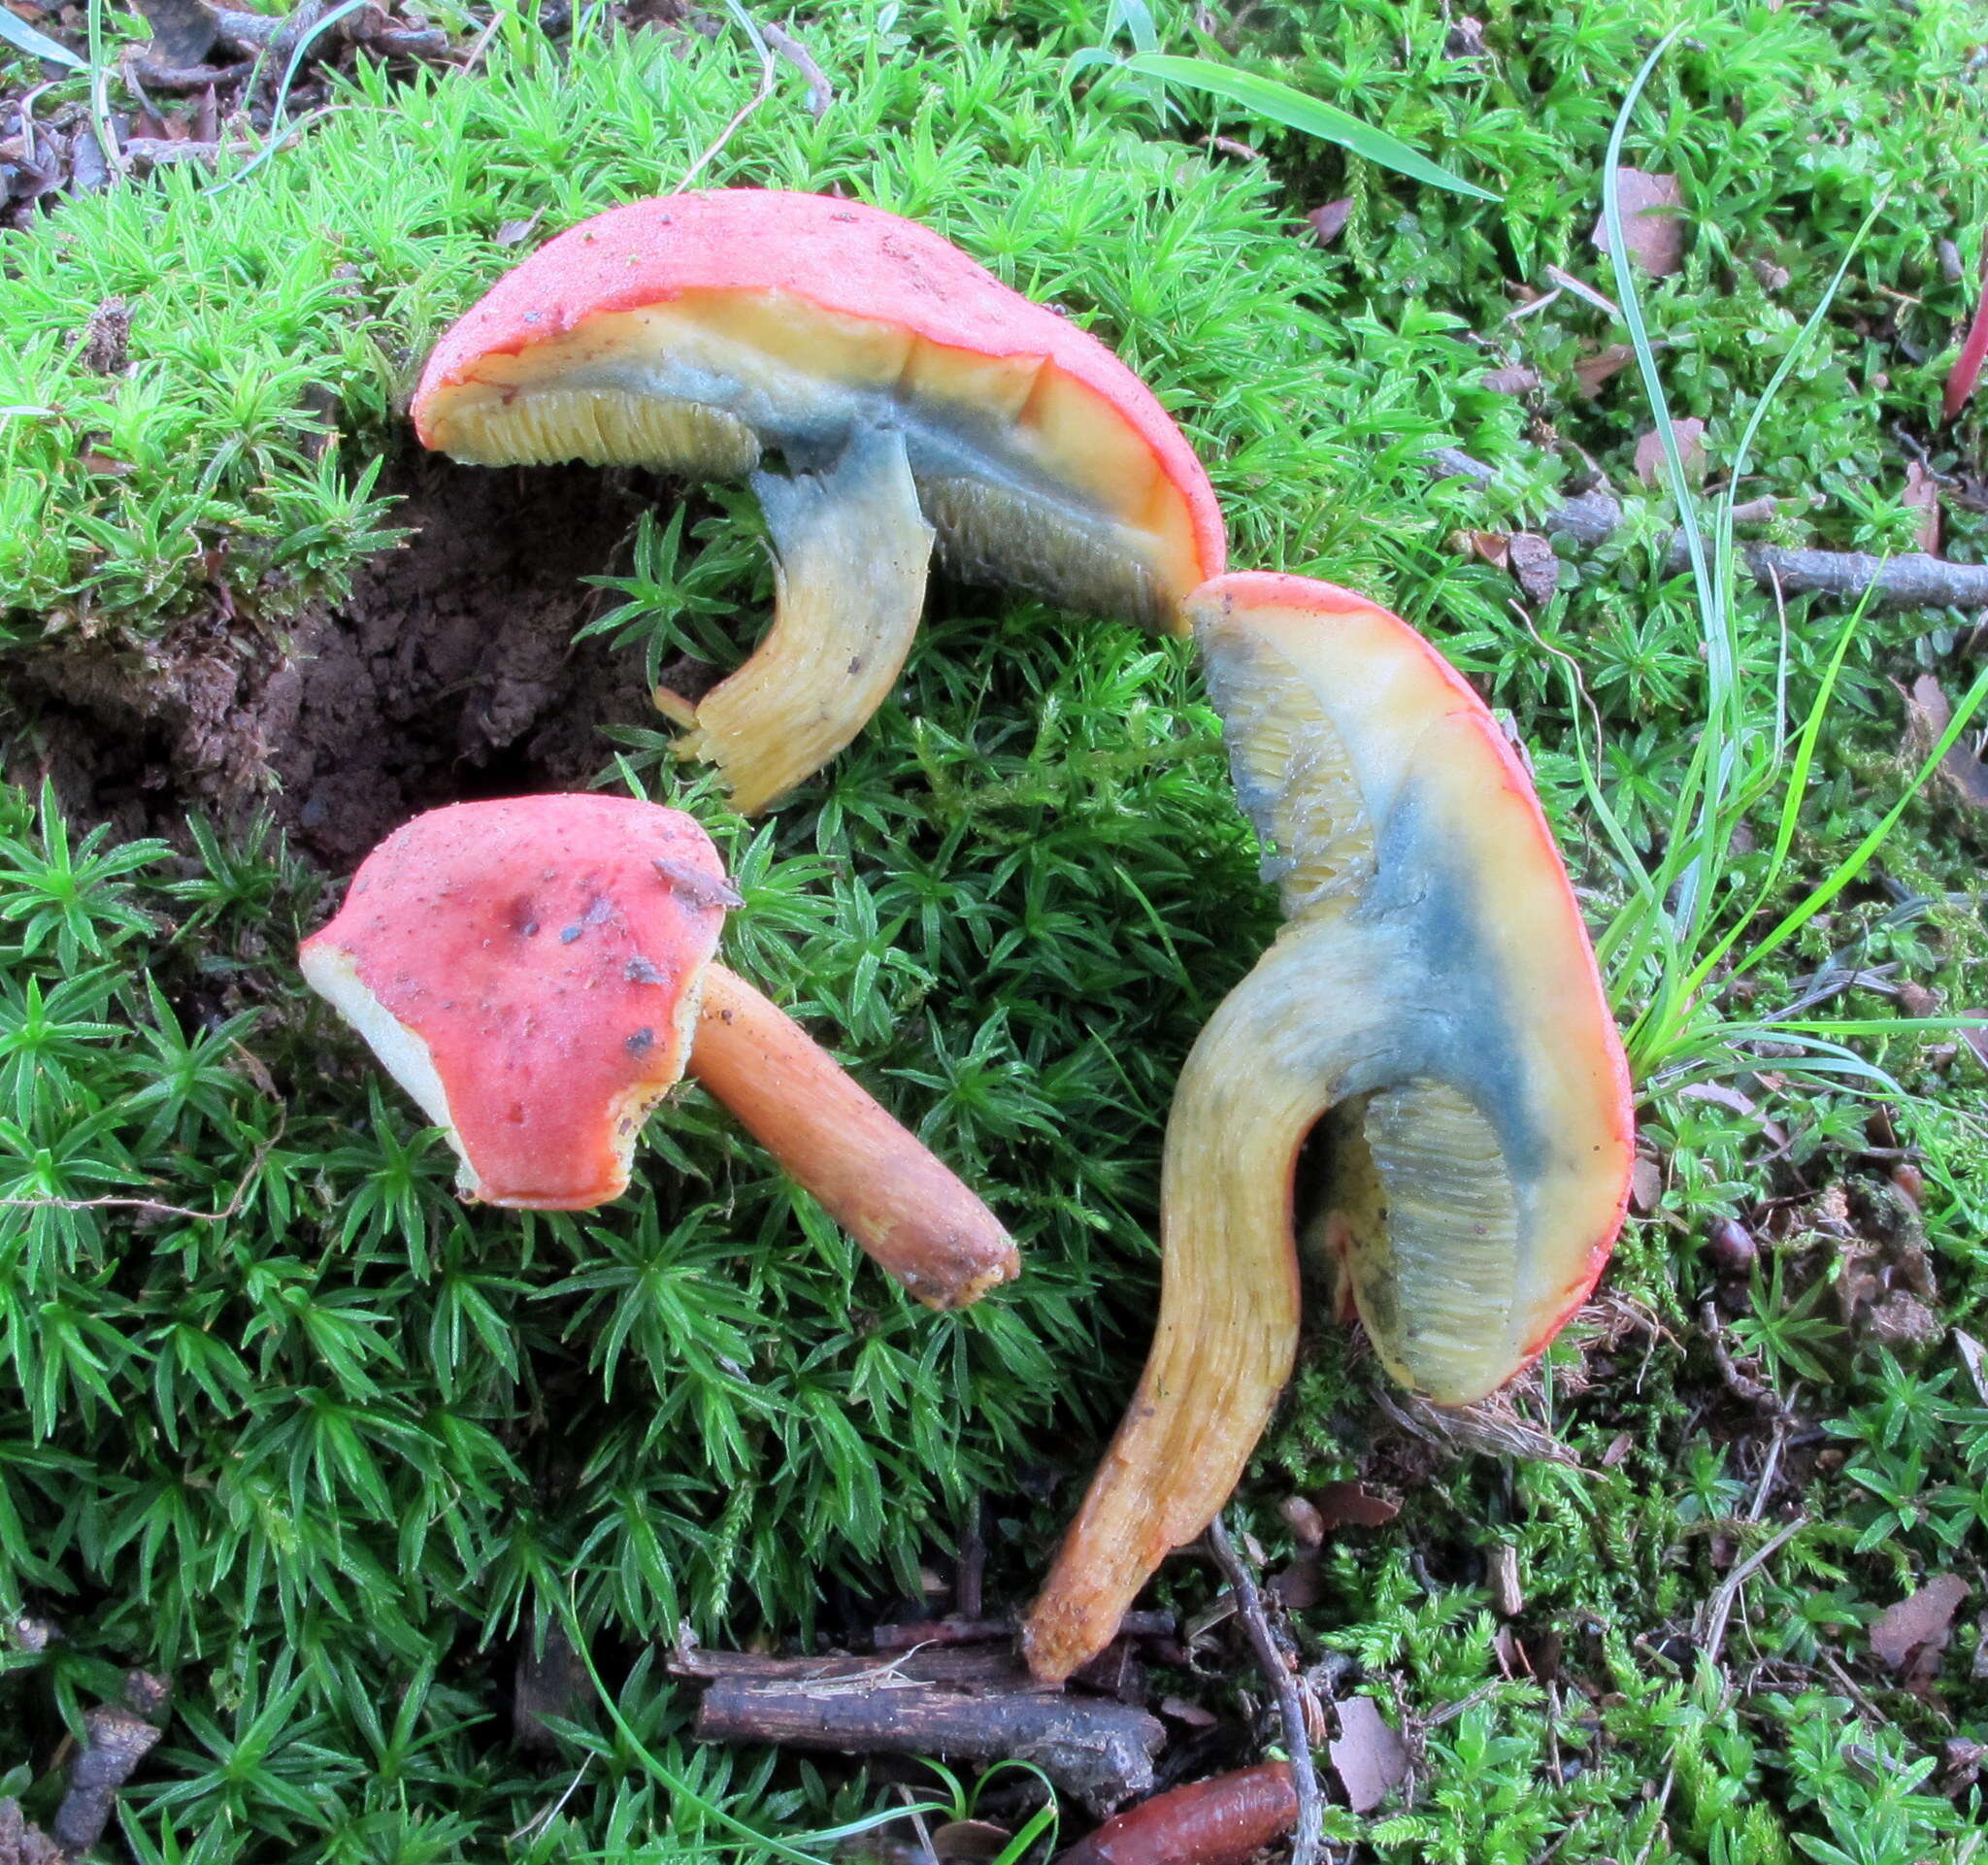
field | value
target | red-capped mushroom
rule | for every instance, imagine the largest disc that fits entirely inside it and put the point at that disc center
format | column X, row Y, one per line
column 1431, row 1009
column 538, row 972
column 909, row 393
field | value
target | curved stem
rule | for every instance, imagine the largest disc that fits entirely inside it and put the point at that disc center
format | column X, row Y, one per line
column 853, row 551
column 911, row 1214
column 1258, row 1078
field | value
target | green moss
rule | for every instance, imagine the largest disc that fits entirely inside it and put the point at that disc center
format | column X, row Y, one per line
column 300, row 1429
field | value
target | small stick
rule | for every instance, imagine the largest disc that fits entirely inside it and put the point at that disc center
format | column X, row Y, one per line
column 1100, row 1751
column 1911, row 579
column 1743, row 1385
column 1304, row 1777
column 1718, row 1610
column 972, row 1564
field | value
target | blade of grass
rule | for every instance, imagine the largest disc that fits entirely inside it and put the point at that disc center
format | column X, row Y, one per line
column 1860, row 857
column 37, row 45
column 1294, row 109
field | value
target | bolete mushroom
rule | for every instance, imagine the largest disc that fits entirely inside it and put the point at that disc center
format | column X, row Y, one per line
column 909, row 391
column 537, row 972
column 1430, row 1007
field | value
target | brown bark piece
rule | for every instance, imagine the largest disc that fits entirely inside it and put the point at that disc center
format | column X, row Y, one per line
column 1093, row 1747
column 114, row 1743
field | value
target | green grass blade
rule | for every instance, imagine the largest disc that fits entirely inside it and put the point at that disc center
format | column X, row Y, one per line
column 37, row 45
column 1861, row 856
column 1295, row 110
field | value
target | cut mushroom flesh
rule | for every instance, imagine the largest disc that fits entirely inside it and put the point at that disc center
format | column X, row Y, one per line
column 695, row 333
column 1433, row 998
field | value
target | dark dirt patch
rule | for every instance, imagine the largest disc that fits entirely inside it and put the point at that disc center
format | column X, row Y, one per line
column 452, row 672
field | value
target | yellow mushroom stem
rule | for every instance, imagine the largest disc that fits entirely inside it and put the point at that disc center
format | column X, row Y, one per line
column 853, row 552
column 1257, row 1080
column 911, row 1214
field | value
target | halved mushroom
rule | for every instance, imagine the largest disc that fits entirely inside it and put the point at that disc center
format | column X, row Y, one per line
column 1432, row 1001
column 538, row 972
column 910, row 393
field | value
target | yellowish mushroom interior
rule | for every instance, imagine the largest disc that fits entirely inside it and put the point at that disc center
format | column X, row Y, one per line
column 1030, row 478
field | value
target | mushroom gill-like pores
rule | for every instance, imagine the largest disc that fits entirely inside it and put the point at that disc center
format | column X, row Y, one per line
column 1431, row 1006
column 538, row 972
column 909, row 391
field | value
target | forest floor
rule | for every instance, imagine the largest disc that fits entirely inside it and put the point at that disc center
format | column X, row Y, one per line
column 396, row 1509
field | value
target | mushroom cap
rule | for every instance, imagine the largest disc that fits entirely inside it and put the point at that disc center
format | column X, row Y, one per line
column 529, row 971
column 686, row 332
column 1490, row 1112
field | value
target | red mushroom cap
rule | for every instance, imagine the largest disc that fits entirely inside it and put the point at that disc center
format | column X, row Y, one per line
column 529, row 971
column 876, row 278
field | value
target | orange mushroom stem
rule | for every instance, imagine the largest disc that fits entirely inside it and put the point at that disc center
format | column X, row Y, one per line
column 536, row 973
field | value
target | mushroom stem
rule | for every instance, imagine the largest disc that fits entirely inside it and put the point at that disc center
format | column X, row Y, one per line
column 874, row 1178
column 1253, row 1086
column 853, row 549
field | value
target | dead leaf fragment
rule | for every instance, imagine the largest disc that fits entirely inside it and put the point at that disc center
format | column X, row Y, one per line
column 1368, row 1757
column 1534, row 565
column 1512, row 379
column 1652, row 223
column 1352, row 1505
column 1922, row 495
column 1927, row 716
column 1493, row 547
column 1506, row 1594
column 1975, row 1033
column 1330, row 220
column 1592, row 371
column 1918, row 1624
column 1179, row 1710
column 1299, row 1586
column 1972, row 1355
column 1645, row 1183
column 1689, row 435
column 970, row 1839
column 1466, row 38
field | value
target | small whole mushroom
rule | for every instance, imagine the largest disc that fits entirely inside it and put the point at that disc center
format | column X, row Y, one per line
column 911, row 395
column 538, row 972
column 1429, row 1010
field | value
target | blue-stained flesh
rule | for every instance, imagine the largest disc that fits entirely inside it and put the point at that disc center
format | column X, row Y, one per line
column 1393, row 1008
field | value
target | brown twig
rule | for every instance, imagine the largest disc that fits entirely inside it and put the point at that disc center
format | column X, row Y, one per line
column 1717, row 1611
column 1743, row 1385
column 1277, row 1674
column 820, row 92
column 1911, row 580
column 151, row 1206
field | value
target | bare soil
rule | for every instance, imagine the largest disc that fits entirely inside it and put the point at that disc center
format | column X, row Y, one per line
column 450, row 673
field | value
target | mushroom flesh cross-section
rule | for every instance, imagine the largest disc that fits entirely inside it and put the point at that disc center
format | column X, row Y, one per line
column 538, row 972
column 910, row 394
column 1430, row 1007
